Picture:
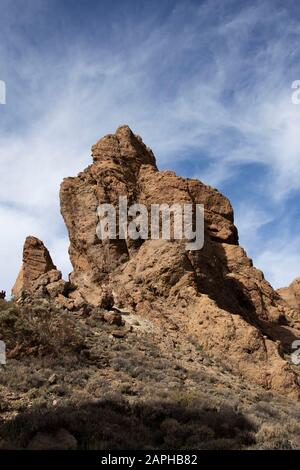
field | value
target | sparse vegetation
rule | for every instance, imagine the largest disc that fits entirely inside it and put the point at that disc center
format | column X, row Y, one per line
column 67, row 370
column 38, row 328
column 115, row 424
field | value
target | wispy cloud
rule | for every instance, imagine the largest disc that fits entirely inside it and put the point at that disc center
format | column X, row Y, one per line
column 210, row 79
column 280, row 261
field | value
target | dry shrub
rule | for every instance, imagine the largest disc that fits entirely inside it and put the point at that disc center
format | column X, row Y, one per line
column 38, row 329
column 273, row 437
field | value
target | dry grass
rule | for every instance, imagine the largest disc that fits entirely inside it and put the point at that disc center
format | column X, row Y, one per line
column 37, row 329
column 104, row 386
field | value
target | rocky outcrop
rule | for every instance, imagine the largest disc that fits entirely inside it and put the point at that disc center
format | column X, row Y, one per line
column 291, row 294
column 214, row 296
column 38, row 276
column 124, row 166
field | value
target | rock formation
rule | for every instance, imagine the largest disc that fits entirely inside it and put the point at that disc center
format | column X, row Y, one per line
column 291, row 294
column 38, row 276
column 214, row 295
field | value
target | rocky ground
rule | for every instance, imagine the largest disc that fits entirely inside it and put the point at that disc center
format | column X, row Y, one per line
column 108, row 380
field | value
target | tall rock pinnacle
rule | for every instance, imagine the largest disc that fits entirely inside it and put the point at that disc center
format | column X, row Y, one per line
column 37, row 269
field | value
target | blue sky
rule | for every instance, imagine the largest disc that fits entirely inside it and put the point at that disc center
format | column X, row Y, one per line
column 207, row 84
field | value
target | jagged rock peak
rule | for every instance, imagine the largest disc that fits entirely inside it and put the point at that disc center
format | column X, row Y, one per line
column 36, row 259
column 37, row 264
column 123, row 145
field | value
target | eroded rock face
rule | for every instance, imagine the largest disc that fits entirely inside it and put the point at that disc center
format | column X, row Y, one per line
column 38, row 275
column 291, row 294
column 214, row 296
column 124, row 166
column 117, row 162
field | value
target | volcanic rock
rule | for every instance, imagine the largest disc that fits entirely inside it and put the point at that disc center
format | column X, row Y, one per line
column 213, row 295
column 113, row 318
column 291, row 294
column 38, row 275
